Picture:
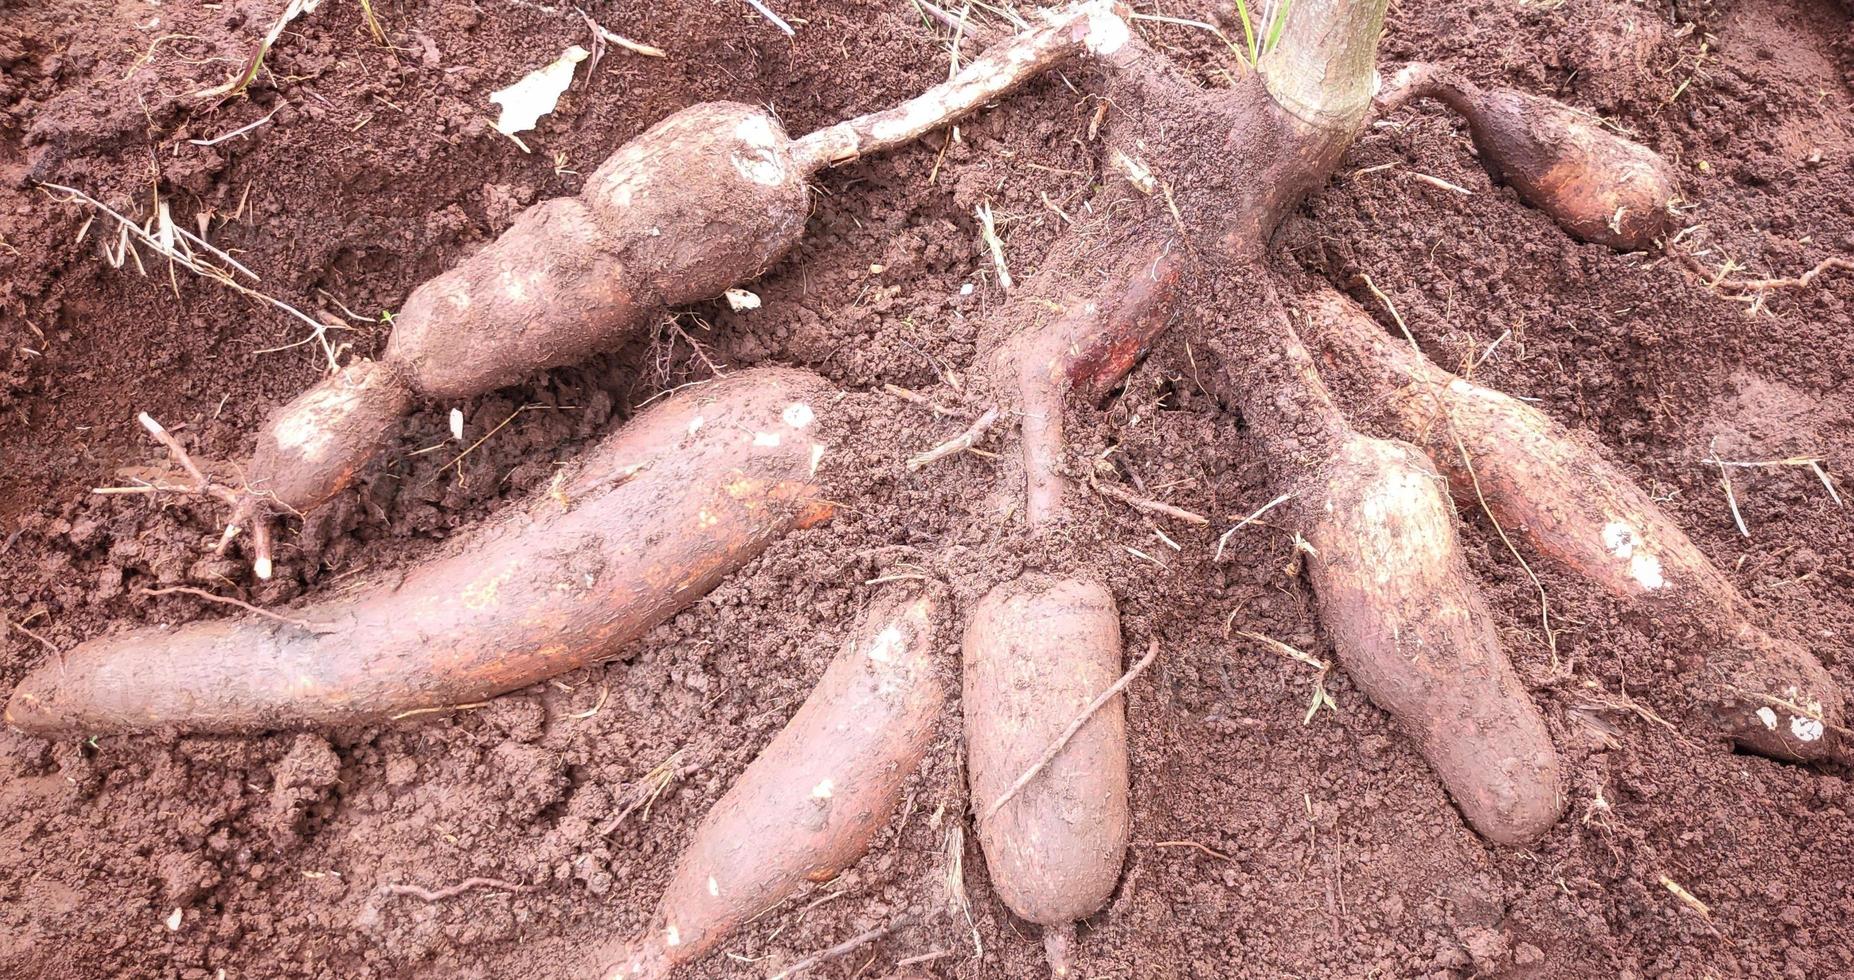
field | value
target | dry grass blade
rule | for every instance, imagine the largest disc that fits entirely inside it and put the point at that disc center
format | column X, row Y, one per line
column 645, row 791
column 958, row 444
column 988, row 230
column 1814, row 463
column 609, row 37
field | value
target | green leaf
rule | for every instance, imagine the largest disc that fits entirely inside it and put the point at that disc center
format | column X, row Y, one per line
column 1274, row 30
column 1248, row 31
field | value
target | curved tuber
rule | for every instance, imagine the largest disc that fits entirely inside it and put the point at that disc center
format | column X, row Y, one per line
column 810, row 802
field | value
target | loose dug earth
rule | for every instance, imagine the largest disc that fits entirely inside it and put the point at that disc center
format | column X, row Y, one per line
column 1263, row 842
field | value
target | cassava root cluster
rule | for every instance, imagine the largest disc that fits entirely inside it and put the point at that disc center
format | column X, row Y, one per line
column 691, row 489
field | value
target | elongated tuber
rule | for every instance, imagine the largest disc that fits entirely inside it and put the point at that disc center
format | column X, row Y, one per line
column 657, row 515
column 1546, row 487
column 1599, row 186
column 1414, row 633
column 1037, row 652
column 809, row 804
column 1396, row 595
column 708, row 197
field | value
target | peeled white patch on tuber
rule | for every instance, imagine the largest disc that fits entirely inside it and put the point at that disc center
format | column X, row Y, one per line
column 525, row 102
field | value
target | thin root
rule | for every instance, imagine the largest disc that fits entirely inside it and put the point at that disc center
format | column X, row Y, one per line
column 451, row 891
column 846, row 947
column 1055, row 747
column 958, row 444
column 241, row 604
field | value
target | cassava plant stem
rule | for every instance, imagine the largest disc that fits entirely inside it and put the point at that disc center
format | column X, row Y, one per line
column 1325, row 65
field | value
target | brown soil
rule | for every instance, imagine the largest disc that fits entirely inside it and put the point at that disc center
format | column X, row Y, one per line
column 1263, row 845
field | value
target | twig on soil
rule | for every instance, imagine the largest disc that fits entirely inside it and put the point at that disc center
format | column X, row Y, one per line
column 1439, row 182
column 635, row 47
column 175, row 450
column 450, row 891
column 1146, row 504
column 958, row 444
column 1055, row 747
column 923, row 401
column 846, row 947
column 1692, row 901
column 241, row 604
column 1213, row 852
column 1245, row 522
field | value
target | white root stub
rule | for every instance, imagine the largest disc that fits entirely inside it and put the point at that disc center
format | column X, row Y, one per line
column 757, row 159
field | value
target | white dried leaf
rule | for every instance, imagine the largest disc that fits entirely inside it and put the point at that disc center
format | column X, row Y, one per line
column 525, row 102
column 740, row 299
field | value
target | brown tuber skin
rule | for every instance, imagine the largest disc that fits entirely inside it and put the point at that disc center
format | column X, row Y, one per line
column 701, row 200
column 656, row 516
column 1596, row 185
column 1396, row 595
column 709, row 197
column 811, row 801
column 1571, row 504
column 1408, row 625
column 1038, row 651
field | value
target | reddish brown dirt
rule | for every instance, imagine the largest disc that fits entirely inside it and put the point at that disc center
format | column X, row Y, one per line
column 1264, row 846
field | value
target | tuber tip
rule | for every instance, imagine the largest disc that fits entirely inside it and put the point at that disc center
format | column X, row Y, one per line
column 1057, row 941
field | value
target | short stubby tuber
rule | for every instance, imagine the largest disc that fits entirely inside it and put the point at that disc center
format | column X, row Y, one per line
column 1038, row 651
column 1597, row 185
